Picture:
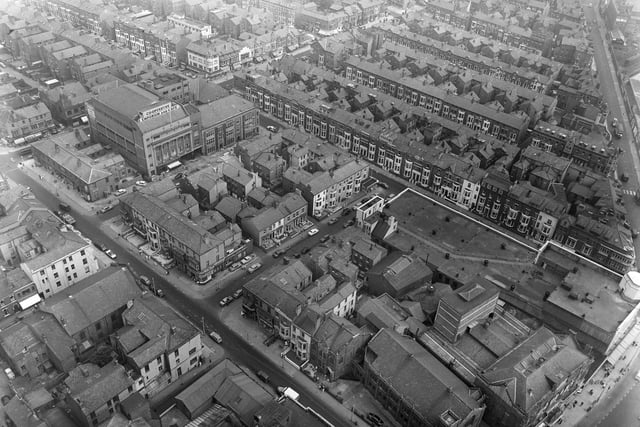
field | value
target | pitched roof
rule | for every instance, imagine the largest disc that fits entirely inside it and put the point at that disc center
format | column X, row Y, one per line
column 160, row 328
column 406, row 367
column 92, row 299
column 205, row 387
column 93, row 391
column 72, row 162
column 181, row 228
column 526, row 374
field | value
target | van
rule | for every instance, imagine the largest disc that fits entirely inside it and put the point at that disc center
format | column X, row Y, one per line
column 216, row 337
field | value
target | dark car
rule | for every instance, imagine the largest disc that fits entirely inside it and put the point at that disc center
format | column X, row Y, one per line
column 270, row 340
column 346, row 211
column 333, row 221
column 375, row 419
column 349, row 223
column 305, row 250
column 278, row 253
column 624, row 177
column 325, row 238
column 263, row 376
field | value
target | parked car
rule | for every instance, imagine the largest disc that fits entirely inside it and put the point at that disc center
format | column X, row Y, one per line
column 254, row 267
column 226, row 301
column 325, row 238
column 634, row 233
column 9, row 373
column 346, row 211
column 64, row 207
column 375, row 419
column 333, row 220
column 110, row 254
column 145, row 281
column 246, row 259
column 278, row 253
column 237, row 294
column 263, row 376
column 120, row 192
column 313, row 232
column 141, row 183
column 272, row 129
column 305, row 250
column 216, row 337
column 235, row 266
column 614, row 123
column 383, row 185
column 100, row 246
column 106, row 209
column 349, row 223
column 270, row 340
column 68, row 219
column 624, row 177
column 159, row 293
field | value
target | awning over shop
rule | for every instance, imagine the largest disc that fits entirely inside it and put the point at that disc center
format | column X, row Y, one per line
column 30, row 302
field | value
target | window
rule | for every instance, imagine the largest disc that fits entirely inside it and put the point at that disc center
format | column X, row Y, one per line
column 146, row 369
column 192, row 351
column 571, row 242
column 84, row 261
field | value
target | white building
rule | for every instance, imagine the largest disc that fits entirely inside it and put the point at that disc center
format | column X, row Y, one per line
column 55, row 265
column 191, row 26
column 158, row 344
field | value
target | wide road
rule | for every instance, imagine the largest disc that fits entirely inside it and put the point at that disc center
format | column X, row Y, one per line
column 196, row 310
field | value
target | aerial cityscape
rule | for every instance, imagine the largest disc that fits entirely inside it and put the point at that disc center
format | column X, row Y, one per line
column 284, row 213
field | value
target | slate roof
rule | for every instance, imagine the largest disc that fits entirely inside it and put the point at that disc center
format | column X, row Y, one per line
column 93, row 391
column 92, row 299
column 161, row 328
column 526, row 374
column 181, row 228
column 406, row 367
column 74, row 163
column 243, row 396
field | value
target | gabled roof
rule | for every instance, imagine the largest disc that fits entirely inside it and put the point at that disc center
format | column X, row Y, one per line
column 92, row 299
column 243, row 396
column 94, row 390
column 406, row 367
column 526, row 374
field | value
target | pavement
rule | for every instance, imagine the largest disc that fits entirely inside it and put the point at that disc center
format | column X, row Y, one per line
column 356, row 399
column 592, row 402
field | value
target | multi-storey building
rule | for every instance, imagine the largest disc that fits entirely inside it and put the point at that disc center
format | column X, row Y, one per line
column 94, row 393
column 562, row 142
column 538, row 79
column 196, row 251
column 283, row 11
column 204, row 30
column 395, row 369
column 227, row 121
column 168, row 86
column 25, row 121
column 147, row 131
column 158, row 344
column 86, row 67
column 554, row 364
column 273, row 223
column 476, row 116
column 83, row 14
column 55, row 259
column 335, row 345
column 94, row 179
column 61, row 61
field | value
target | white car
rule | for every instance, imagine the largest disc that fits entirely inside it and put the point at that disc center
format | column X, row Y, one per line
column 272, row 129
column 141, row 183
column 254, row 267
column 313, row 232
column 9, row 373
column 120, row 192
column 246, row 260
column 110, row 254
column 226, row 301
